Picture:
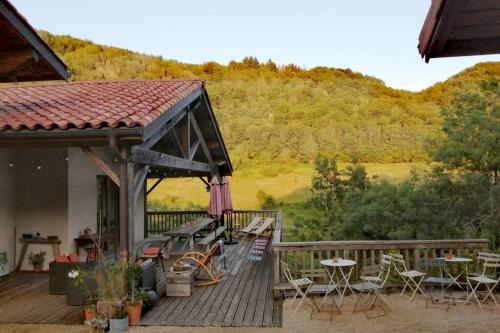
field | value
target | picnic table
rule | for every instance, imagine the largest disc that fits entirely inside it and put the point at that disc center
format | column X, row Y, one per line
column 187, row 232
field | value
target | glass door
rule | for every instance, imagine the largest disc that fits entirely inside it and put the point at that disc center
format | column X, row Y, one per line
column 108, row 226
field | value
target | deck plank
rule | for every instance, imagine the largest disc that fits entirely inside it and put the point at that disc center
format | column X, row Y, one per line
column 244, row 297
column 25, row 298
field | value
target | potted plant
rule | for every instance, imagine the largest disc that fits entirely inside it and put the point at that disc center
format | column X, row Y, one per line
column 99, row 323
column 119, row 320
column 111, row 287
column 134, row 306
column 37, row 260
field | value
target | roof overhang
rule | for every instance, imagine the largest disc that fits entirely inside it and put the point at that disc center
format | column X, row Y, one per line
column 24, row 56
column 185, row 141
column 460, row 28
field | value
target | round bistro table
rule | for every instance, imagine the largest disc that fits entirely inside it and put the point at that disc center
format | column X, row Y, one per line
column 463, row 272
column 339, row 271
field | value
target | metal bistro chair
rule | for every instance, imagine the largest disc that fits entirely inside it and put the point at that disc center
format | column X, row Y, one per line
column 489, row 264
column 373, row 282
column 412, row 278
column 302, row 287
column 431, row 267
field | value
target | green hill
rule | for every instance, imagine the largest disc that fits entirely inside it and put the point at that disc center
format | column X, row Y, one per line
column 287, row 114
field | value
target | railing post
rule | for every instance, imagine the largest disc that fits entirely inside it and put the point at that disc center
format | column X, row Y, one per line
column 276, row 274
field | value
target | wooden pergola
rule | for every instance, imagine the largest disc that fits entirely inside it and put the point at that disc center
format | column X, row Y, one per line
column 24, row 56
column 460, row 28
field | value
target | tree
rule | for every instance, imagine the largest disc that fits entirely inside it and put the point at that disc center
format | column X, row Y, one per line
column 472, row 128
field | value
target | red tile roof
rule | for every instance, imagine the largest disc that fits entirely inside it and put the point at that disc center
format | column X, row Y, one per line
column 90, row 104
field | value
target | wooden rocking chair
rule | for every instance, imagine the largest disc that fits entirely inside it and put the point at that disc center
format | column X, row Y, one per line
column 203, row 264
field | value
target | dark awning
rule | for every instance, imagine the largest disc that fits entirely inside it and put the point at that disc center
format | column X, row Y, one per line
column 460, row 28
column 24, row 56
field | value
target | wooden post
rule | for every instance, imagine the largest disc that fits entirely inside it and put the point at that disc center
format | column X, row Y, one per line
column 123, row 174
column 130, row 205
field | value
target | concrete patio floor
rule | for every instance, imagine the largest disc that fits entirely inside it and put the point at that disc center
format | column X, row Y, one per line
column 403, row 316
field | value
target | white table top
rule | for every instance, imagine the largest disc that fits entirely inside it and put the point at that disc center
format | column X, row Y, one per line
column 338, row 263
column 456, row 259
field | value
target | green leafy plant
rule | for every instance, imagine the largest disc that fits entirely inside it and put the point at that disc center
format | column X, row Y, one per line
column 37, row 258
column 119, row 313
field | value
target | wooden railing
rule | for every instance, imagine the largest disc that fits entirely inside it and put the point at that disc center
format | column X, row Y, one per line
column 159, row 222
column 302, row 256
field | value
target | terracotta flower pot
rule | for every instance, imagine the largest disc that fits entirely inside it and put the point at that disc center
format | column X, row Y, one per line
column 134, row 313
column 38, row 267
column 89, row 313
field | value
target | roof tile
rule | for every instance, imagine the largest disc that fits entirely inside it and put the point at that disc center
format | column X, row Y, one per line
column 90, row 104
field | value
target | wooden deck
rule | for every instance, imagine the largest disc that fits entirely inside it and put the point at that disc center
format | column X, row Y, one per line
column 243, row 298
column 25, row 299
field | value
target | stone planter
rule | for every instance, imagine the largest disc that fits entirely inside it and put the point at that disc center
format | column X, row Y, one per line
column 118, row 325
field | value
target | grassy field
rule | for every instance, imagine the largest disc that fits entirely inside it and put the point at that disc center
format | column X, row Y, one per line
column 246, row 183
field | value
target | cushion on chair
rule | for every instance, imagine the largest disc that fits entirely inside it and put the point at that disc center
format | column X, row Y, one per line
column 62, row 259
column 73, row 257
column 151, row 251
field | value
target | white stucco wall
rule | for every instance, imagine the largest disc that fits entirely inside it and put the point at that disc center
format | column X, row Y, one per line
column 41, row 196
column 7, row 211
column 59, row 199
column 82, row 193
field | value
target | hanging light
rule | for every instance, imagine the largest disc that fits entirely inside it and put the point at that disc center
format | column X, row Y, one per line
column 39, row 167
column 67, row 158
column 11, row 165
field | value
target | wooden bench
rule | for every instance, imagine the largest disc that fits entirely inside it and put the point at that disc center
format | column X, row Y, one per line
column 205, row 242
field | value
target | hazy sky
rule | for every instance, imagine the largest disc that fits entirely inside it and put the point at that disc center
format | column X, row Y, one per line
column 373, row 37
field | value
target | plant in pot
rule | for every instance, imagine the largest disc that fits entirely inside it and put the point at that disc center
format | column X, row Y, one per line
column 119, row 320
column 99, row 323
column 111, row 287
column 136, row 297
column 133, row 307
column 78, row 280
column 37, row 260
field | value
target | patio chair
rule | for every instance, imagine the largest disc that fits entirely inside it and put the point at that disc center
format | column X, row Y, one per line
column 302, row 288
column 263, row 227
column 203, row 264
column 373, row 282
column 411, row 278
column 489, row 264
column 256, row 220
column 435, row 272
column 481, row 257
column 153, row 247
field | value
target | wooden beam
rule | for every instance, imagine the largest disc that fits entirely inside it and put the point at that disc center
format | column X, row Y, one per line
column 145, row 156
column 155, row 131
column 35, row 41
column 140, row 178
column 161, row 132
column 130, row 206
column 193, row 149
column 178, row 143
column 450, row 13
column 158, row 181
column 203, row 144
column 102, row 165
column 123, row 201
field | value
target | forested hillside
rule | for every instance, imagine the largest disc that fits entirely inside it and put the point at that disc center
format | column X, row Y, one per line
column 285, row 113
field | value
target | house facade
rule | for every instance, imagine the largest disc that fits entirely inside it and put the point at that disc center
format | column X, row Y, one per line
column 78, row 155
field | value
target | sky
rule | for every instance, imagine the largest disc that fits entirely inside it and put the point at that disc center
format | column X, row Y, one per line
column 378, row 38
